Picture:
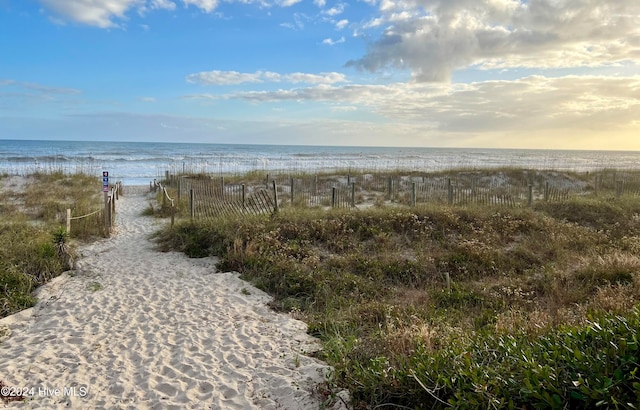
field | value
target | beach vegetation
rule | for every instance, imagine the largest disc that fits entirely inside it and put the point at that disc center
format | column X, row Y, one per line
column 452, row 306
column 35, row 244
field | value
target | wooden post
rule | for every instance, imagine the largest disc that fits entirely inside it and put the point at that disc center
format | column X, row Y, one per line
column 333, row 197
column 315, row 184
column 291, row 187
column 166, row 176
column 68, row 221
column 107, row 222
column 244, row 195
column 164, row 197
column 222, row 187
column 530, row 196
column 413, row 194
column 348, row 179
column 113, row 202
column 275, row 197
column 389, row 188
column 353, row 194
column 546, row 191
column 173, row 213
column 266, row 181
column 180, row 185
column 449, row 192
column 191, row 205
column 619, row 185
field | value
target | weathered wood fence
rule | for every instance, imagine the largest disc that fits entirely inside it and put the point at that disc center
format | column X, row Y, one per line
column 211, row 196
column 104, row 215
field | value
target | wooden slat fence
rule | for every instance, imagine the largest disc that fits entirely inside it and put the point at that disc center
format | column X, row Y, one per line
column 213, row 196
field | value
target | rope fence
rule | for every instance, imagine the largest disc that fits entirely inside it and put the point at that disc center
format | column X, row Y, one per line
column 109, row 210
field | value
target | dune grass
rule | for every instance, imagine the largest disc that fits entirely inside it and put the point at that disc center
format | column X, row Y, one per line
column 35, row 246
column 449, row 306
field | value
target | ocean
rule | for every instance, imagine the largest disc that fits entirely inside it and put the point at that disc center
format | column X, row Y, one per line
column 137, row 163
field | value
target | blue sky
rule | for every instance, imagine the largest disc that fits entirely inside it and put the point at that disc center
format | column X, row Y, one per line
column 470, row 73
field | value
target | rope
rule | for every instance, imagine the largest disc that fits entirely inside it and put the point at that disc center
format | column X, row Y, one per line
column 99, row 210
column 84, row 216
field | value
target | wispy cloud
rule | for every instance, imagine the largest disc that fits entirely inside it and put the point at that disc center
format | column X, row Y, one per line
column 332, row 42
column 40, row 88
column 111, row 13
column 342, row 24
column 536, row 102
column 217, row 77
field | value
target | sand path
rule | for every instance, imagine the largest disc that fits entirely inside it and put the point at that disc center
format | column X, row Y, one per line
column 134, row 328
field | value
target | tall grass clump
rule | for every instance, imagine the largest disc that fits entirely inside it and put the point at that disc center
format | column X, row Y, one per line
column 471, row 307
column 35, row 246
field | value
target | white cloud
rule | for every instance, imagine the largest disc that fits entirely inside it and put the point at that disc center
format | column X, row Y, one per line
column 579, row 103
column 217, row 77
column 435, row 37
column 107, row 13
column 148, row 99
column 205, row 5
column 342, row 24
column 331, row 42
column 334, row 11
column 288, row 3
column 93, row 12
column 320, row 3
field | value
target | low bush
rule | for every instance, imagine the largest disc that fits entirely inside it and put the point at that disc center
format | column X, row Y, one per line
column 451, row 307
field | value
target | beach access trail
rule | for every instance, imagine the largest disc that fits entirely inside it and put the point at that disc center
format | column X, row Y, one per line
column 134, row 328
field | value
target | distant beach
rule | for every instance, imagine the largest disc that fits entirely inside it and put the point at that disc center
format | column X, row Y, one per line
column 136, row 163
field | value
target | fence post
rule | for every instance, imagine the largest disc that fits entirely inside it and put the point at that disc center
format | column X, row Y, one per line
column 291, row 184
column 449, row 192
column 68, row 220
column 164, row 197
column 315, row 184
column 107, row 208
column 353, row 194
column 546, row 191
column 530, row 196
column 389, row 188
column 173, row 213
column 191, row 204
column 266, row 181
column 166, row 176
column 413, row 194
column 222, row 187
column 619, row 188
column 244, row 195
column 180, row 184
column 333, row 197
column 275, row 198
column 113, row 202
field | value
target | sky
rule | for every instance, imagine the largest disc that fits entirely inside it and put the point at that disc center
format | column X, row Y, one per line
column 550, row 74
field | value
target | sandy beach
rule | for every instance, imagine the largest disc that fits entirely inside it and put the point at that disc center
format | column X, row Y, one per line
column 133, row 328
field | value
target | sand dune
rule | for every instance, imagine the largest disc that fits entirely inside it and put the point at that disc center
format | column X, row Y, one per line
column 135, row 328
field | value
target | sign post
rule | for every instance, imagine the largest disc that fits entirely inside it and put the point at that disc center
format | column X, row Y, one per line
column 105, row 189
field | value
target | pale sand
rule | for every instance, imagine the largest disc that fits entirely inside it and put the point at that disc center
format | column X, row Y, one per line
column 143, row 329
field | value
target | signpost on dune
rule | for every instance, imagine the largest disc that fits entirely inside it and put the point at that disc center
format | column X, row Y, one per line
column 105, row 189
